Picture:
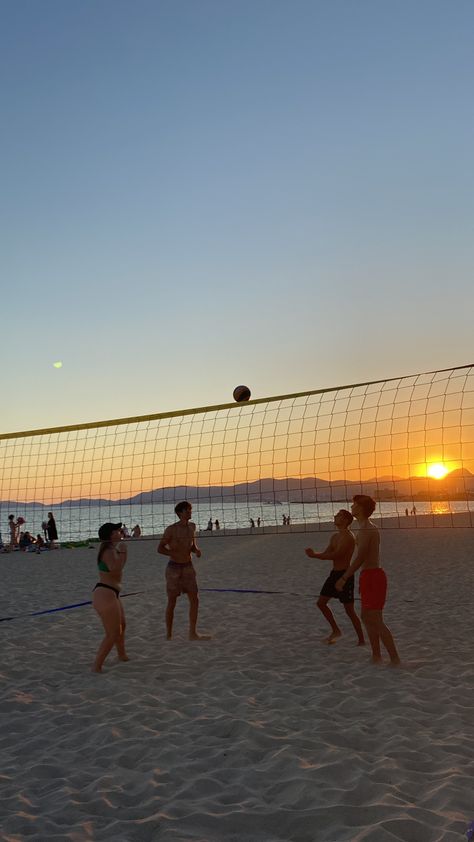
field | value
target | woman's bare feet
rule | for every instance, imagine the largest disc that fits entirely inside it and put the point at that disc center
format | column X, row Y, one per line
column 196, row 636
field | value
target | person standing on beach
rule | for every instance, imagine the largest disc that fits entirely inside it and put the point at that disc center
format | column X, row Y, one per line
column 339, row 551
column 178, row 542
column 13, row 527
column 51, row 530
column 111, row 560
column 372, row 581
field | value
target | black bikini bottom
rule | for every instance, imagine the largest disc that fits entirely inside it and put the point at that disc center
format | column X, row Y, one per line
column 109, row 588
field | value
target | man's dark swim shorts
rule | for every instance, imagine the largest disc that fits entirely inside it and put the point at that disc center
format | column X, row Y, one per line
column 329, row 587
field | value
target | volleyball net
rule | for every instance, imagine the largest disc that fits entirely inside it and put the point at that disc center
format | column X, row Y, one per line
column 280, row 463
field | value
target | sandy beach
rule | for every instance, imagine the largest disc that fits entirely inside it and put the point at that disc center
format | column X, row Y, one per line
column 264, row 733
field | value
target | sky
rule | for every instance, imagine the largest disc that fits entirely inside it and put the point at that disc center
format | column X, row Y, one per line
column 206, row 193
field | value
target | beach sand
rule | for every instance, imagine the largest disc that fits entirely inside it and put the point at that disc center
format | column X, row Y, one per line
column 264, row 733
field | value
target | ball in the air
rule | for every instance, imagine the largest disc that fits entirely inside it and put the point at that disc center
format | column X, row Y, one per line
column 241, row 393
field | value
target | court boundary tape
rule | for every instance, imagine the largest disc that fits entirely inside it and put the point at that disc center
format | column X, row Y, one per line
column 136, row 593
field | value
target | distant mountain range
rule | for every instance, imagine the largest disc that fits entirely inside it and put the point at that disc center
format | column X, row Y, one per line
column 458, row 484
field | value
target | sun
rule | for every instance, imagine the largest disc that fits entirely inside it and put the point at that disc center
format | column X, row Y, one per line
column 437, row 470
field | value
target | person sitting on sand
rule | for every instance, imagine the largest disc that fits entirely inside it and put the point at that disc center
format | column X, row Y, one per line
column 136, row 531
column 339, row 551
column 372, row 581
column 26, row 541
column 178, row 542
column 111, row 560
column 40, row 544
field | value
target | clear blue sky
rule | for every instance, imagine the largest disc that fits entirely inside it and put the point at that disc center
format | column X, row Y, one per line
column 205, row 193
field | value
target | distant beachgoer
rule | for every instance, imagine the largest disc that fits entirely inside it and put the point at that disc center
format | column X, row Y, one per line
column 414, row 510
column 284, row 520
column 372, row 581
column 136, row 531
column 178, row 543
column 258, row 521
column 44, row 527
column 209, row 525
column 125, row 532
column 52, row 530
column 339, row 551
column 252, row 522
column 111, row 560
column 13, row 527
column 407, row 513
column 25, row 541
column 288, row 520
column 40, row 544
column 217, row 524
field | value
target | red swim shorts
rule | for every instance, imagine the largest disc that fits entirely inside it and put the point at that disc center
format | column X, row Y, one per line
column 373, row 589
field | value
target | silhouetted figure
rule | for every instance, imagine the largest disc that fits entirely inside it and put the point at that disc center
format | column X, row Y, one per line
column 407, row 513
column 13, row 527
column 252, row 523
column 51, row 530
column 218, row 526
column 40, row 544
column 372, row 580
column 258, row 521
column 209, row 525
column 136, row 531
column 339, row 551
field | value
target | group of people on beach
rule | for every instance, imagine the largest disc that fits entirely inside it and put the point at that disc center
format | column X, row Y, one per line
column 24, row 540
column 178, row 543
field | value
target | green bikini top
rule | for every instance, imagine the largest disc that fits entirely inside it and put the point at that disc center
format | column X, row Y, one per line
column 102, row 565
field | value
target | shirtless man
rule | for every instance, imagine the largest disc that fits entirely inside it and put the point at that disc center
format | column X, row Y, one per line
column 372, row 581
column 339, row 551
column 178, row 542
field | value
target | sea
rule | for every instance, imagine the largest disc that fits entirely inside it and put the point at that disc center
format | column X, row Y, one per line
column 80, row 523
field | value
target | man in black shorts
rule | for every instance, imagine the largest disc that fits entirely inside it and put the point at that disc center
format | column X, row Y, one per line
column 339, row 551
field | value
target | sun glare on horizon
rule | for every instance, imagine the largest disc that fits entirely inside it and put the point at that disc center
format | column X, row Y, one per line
column 437, row 470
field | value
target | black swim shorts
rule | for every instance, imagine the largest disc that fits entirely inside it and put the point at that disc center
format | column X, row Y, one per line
column 329, row 587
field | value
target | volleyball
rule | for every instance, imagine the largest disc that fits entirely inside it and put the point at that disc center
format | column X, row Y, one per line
column 241, row 393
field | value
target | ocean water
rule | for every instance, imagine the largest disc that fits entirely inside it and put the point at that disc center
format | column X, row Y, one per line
column 77, row 523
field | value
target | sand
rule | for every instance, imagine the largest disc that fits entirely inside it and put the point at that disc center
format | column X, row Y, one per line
column 264, row 733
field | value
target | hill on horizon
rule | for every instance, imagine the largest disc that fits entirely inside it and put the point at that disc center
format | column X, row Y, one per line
column 306, row 490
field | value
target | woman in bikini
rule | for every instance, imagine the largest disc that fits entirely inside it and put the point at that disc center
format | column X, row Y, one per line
column 111, row 560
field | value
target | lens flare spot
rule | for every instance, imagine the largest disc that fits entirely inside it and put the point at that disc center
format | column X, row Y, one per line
column 58, row 364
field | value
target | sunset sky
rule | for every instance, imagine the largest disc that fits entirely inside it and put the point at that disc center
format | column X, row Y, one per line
column 205, row 193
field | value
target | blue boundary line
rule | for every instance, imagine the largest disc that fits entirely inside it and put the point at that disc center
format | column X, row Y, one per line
column 135, row 593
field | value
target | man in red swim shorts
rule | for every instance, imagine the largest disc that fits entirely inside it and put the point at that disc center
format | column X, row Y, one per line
column 372, row 581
